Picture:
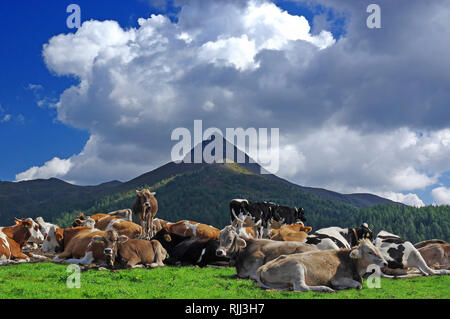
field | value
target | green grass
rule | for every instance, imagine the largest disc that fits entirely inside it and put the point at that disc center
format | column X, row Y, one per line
column 48, row 280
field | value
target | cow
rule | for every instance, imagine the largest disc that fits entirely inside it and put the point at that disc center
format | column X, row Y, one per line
column 82, row 217
column 401, row 254
column 193, row 229
column 158, row 224
column 145, row 208
column 129, row 251
column 322, row 271
column 288, row 215
column 247, row 228
column 36, row 237
column 13, row 238
column 336, row 237
column 247, row 255
column 73, row 245
column 296, row 232
column 125, row 214
column 258, row 211
column 436, row 255
column 189, row 251
column 44, row 227
column 123, row 227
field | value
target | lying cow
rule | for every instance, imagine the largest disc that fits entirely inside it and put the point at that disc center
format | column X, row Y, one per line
column 246, row 228
column 336, row 237
column 44, row 227
column 74, row 245
column 296, row 232
column 82, row 217
column 321, row 270
column 436, row 255
column 247, row 255
column 13, row 238
column 36, row 237
column 401, row 254
column 126, row 214
column 123, row 227
column 158, row 224
column 188, row 228
column 189, row 251
column 119, row 249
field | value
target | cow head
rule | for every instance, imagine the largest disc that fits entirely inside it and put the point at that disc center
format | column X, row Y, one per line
column 300, row 214
column 229, row 242
column 88, row 222
column 42, row 225
column 53, row 242
column 364, row 232
column 79, row 220
column 35, row 233
column 366, row 254
column 111, row 240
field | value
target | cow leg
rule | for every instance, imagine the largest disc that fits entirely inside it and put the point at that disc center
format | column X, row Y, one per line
column 149, row 227
column 160, row 254
column 299, row 283
column 345, row 283
column 133, row 261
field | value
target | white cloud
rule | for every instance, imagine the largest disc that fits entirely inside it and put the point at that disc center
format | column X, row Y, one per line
column 5, row 118
column 53, row 168
column 340, row 105
column 441, row 195
column 407, row 199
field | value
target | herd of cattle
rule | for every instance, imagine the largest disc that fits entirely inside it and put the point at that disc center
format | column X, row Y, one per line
column 266, row 242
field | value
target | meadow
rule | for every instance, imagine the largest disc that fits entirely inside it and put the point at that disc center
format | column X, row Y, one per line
column 49, row 281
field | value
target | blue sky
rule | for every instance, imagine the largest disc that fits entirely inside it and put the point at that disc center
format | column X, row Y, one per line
column 359, row 110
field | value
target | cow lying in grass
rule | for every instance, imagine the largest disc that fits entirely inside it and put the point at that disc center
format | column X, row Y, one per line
column 247, row 255
column 14, row 238
column 74, row 245
column 436, row 254
column 189, row 250
column 401, row 254
column 121, row 250
column 321, row 270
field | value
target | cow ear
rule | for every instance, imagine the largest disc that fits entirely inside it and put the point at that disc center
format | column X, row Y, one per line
column 354, row 254
column 17, row 221
column 123, row 239
column 153, row 193
column 167, row 238
column 241, row 243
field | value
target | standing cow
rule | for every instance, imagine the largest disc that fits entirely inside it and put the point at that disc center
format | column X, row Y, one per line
column 145, row 208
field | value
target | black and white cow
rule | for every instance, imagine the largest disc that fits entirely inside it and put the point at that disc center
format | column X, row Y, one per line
column 288, row 215
column 401, row 254
column 336, row 237
column 188, row 250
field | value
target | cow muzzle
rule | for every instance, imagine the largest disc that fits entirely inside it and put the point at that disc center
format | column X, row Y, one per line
column 108, row 251
column 220, row 253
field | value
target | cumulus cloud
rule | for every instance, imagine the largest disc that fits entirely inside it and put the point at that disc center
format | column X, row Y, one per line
column 441, row 195
column 53, row 168
column 362, row 112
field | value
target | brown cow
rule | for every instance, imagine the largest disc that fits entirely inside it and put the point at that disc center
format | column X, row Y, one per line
column 188, row 228
column 13, row 238
column 82, row 217
column 158, row 224
column 131, row 251
column 74, row 244
column 321, row 270
column 436, row 255
column 145, row 208
column 295, row 232
column 123, row 227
